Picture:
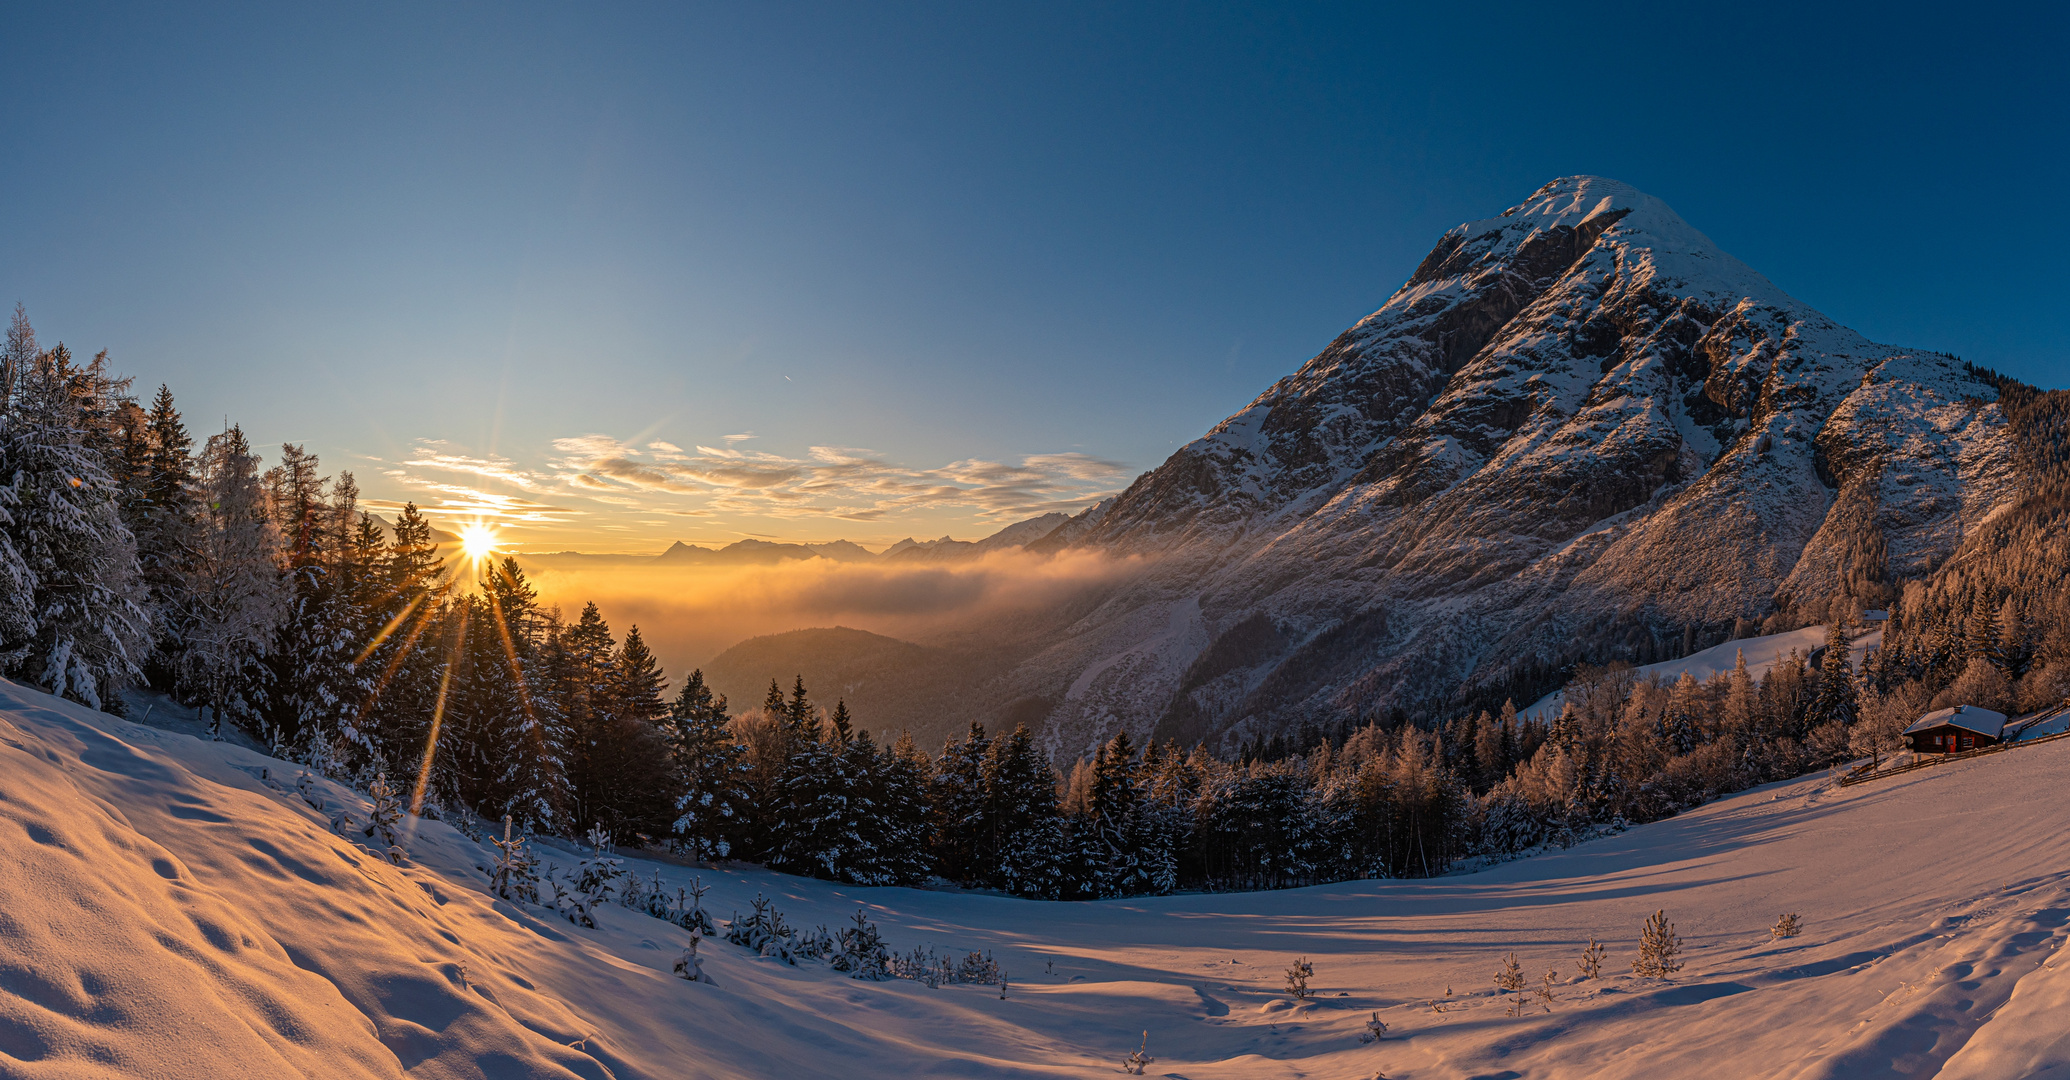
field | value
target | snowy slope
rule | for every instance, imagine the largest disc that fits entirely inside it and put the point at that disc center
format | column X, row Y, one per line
column 1578, row 427
column 170, row 913
column 1761, row 653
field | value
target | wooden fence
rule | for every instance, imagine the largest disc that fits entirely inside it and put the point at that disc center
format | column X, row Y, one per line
column 1862, row 774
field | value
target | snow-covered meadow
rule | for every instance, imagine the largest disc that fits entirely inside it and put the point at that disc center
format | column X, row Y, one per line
column 173, row 908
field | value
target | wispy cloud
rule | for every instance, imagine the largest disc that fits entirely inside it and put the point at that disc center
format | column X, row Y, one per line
column 847, row 483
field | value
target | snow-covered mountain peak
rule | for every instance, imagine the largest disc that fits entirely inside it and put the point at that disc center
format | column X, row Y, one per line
column 1578, row 419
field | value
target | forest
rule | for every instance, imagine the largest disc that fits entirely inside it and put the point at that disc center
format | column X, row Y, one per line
column 271, row 600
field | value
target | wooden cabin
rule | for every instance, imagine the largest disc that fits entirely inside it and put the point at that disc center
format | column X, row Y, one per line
column 1951, row 731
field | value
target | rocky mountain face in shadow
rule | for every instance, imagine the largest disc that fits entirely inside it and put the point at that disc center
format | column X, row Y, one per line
column 1579, row 431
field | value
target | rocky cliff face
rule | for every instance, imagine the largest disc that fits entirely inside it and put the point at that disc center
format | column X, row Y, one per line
column 1578, row 430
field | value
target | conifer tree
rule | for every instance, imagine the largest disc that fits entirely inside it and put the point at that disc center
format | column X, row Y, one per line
column 166, row 523
column 956, row 803
column 235, row 597
column 637, row 686
column 1836, row 701
column 811, row 830
column 404, row 662
column 527, row 734
column 902, row 789
column 87, row 634
column 709, row 768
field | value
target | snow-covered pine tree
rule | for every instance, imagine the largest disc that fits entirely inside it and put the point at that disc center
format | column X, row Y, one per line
column 17, row 581
column 510, row 745
column 818, row 831
column 1019, row 811
column 1592, row 960
column 166, row 523
column 709, row 766
column 690, row 966
column 867, row 858
column 956, row 806
column 902, row 772
column 318, row 694
column 1113, row 814
column 234, row 598
column 88, row 633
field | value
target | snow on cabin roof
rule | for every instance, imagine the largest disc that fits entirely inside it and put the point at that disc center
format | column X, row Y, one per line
column 1875, row 616
column 1966, row 717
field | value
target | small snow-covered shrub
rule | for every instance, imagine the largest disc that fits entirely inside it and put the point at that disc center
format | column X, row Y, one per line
column 1788, row 926
column 816, row 944
column 977, row 968
column 386, row 813
column 597, row 877
column 763, row 932
column 922, row 966
column 514, row 874
column 690, row 913
column 689, row 966
column 574, row 907
column 1376, row 1030
column 1658, row 949
column 862, row 954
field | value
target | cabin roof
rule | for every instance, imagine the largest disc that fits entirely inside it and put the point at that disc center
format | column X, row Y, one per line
column 1966, row 717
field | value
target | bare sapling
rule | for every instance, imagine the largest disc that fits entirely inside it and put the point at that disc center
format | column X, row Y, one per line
column 1511, row 978
column 1297, row 979
column 1592, row 960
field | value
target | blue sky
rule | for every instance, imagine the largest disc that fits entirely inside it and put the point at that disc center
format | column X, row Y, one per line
column 986, row 259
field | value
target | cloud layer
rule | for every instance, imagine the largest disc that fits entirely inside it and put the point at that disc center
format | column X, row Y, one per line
column 689, row 614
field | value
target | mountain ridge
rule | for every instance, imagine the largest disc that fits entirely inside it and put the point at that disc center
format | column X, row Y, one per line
column 1579, row 430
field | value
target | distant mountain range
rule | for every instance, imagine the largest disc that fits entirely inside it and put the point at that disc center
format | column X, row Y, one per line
column 766, row 553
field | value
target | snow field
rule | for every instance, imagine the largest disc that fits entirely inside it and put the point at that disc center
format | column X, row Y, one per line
column 173, row 908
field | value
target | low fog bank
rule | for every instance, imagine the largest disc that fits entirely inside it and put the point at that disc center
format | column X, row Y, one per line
column 689, row 614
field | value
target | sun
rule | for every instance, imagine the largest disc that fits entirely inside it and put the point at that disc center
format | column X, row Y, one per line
column 478, row 541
